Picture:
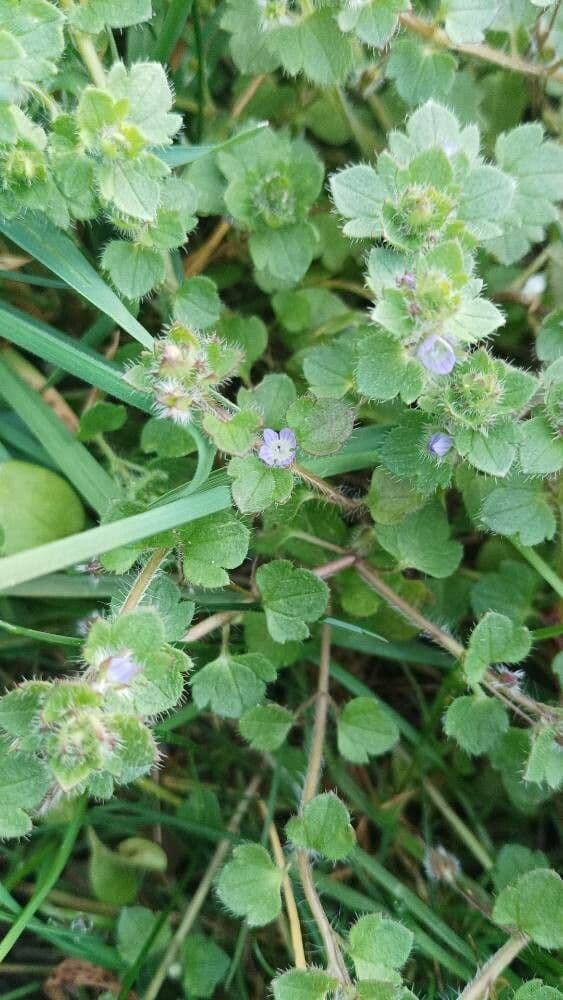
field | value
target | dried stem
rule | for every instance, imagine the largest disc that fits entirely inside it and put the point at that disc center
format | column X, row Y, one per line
column 325, row 489
column 290, row 904
column 197, row 262
column 335, row 962
column 198, row 899
column 247, row 95
column 490, row 972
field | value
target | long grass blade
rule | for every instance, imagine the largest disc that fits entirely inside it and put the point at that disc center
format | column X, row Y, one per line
column 72, row 458
column 53, row 248
column 74, row 549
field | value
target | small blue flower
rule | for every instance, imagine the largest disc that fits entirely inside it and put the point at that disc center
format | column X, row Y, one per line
column 121, row 667
column 437, row 355
column 440, row 444
column 278, row 449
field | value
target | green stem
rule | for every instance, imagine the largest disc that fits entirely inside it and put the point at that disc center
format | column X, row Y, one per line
column 463, row 831
column 57, row 867
column 541, row 567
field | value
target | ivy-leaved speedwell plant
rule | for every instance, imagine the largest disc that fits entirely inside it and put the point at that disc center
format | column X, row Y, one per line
column 302, row 532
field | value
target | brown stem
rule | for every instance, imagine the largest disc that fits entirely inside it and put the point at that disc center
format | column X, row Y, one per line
column 207, row 625
column 335, row 962
column 197, row 262
column 444, row 640
column 247, row 95
column 334, row 567
column 514, row 63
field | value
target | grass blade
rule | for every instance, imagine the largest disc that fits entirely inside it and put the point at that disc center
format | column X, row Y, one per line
column 74, row 460
column 171, row 30
column 74, row 549
column 40, row 238
column 57, row 867
column 73, row 356
column 178, row 156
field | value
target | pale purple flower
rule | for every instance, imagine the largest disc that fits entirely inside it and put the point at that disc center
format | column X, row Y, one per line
column 121, row 668
column 437, row 355
column 440, row 444
column 278, row 449
column 407, row 280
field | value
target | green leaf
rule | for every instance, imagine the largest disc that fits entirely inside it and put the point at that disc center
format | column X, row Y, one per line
column 134, row 925
column 271, row 398
column 101, row 418
column 365, row 730
column 133, row 268
column 303, row 984
column 167, row 439
column 321, row 426
column 520, row 510
column 549, row 341
column 509, row 591
column 291, row 597
column 36, row 506
column 329, row 370
column 232, row 684
column 283, row 253
column 81, row 468
column 256, row 485
column 391, row 499
column 197, row 304
column 236, row 435
column 536, row 168
column 23, row 783
column 373, row 22
column 495, row 639
column 264, row 727
column 514, row 860
column 541, row 449
column 545, row 763
column 536, row 990
column 211, row 546
column 324, row 826
column 420, row 72
column 422, row 541
column 467, row 20
column 250, row 884
column 358, row 194
column 378, row 945
column 41, row 239
column 534, row 905
column 476, row 722
column 314, row 46
column 492, row 452
column 384, row 370
column 95, row 14
column 205, row 965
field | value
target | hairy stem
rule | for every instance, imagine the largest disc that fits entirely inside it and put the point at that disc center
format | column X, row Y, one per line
column 143, row 580
column 494, row 968
column 444, row 640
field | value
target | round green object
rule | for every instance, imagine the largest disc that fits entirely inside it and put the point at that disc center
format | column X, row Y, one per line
column 36, row 506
